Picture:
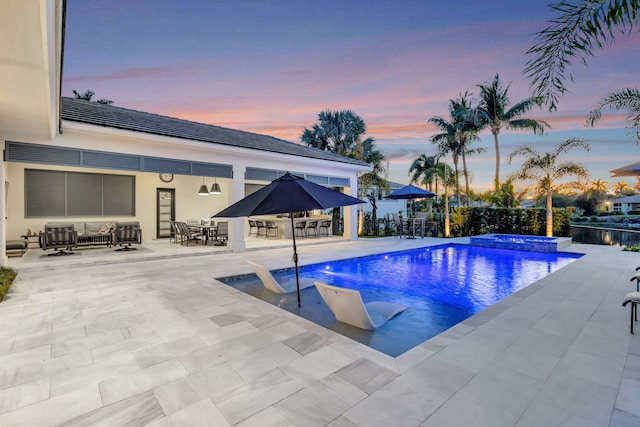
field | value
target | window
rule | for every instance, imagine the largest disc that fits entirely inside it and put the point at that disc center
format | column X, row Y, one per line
column 59, row 193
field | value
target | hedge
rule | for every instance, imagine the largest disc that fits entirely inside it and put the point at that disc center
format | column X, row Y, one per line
column 471, row 221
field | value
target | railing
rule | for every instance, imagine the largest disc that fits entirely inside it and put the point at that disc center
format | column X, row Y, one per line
column 604, row 236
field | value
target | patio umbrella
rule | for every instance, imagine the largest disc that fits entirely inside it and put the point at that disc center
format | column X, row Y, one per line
column 628, row 170
column 410, row 192
column 288, row 194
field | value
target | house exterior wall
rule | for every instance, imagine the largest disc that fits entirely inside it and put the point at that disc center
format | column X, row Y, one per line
column 32, row 116
column 189, row 205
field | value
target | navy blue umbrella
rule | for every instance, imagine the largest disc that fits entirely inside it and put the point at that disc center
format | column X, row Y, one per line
column 288, row 194
column 409, row 192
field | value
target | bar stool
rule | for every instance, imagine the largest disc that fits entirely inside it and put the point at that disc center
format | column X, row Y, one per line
column 300, row 229
column 272, row 229
column 262, row 228
column 253, row 226
column 312, row 227
column 323, row 230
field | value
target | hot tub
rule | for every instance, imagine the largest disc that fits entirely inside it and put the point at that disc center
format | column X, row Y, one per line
column 521, row 243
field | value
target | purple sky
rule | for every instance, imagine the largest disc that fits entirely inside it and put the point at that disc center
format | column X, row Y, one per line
column 271, row 66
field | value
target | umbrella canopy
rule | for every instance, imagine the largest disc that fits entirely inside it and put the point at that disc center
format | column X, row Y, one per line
column 410, row 192
column 288, row 194
column 628, row 170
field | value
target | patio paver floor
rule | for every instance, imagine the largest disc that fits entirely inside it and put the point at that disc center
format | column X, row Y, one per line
column 156, row 341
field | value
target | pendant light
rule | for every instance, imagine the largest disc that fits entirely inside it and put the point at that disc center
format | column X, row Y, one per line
column 215, row 187
column 203, row 189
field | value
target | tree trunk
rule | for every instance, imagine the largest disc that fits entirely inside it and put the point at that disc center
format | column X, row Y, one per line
column 455, row 167
column 549, row 215
column 497, row 177
column 447, row 222
column 466, row 177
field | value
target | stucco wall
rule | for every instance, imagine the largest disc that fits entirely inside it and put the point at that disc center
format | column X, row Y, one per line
column 188, row 203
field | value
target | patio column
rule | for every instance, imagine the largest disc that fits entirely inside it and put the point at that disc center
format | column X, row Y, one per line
column 351, row 212
column 3, row 210
column 236, row 225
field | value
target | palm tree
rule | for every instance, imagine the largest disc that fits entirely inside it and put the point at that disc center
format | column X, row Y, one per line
column 341, row 132
column 448, row 144
column 458, row 133
column 422, row 170
column 546, row 170
column 620, row 187
column 625, row 99
column 337, row 131
column 494, row 112
column 599, row 185
column 467, row 128
column 581, row 27
column 88, row 94
column 504, row 197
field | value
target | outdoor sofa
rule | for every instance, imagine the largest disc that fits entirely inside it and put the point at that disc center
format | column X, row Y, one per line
column 92, row 232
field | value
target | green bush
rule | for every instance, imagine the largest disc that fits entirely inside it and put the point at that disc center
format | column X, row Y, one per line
column 471, row 221
column 6, row 280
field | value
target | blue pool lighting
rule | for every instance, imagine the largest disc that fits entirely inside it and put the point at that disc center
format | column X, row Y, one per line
column 440, row 285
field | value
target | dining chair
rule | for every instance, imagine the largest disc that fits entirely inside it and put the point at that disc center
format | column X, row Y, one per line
column 399, row 224
column 189, row 234
column 174, row 232
column 222, row 233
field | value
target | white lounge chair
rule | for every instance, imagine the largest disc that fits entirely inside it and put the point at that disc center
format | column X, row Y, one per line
column 634, row 299
column 348, row 307
column 270, row 282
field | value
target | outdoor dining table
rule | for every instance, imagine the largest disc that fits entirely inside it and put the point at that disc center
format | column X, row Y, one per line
column 414, row 224
column 208, row 231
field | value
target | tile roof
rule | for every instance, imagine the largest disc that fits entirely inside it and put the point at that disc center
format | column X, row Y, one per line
column 94, row 113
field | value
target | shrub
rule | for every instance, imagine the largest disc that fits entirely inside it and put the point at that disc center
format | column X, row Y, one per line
column 632, row 248
column 6, row 280
column 471, row 221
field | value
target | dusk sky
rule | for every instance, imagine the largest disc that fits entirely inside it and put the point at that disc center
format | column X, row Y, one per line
column 271, row 66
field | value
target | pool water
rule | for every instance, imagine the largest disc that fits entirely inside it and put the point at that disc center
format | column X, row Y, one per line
column 440, row 285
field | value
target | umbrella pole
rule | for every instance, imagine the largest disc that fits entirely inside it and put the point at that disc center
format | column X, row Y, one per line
column 295, row 257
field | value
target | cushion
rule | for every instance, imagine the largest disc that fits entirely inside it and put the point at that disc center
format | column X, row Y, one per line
column 16, row 244
column 93, row 227
column 106, row 228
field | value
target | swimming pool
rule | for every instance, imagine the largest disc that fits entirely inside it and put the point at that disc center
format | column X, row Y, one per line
column 440, row 285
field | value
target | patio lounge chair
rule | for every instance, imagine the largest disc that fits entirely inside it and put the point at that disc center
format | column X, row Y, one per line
column 271, row 284
column 348, row 307
column 127, row 233
column 60, row 236
column 636, row 277
column 634, row 299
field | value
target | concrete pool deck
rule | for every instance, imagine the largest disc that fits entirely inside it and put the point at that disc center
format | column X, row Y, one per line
column 156, row 341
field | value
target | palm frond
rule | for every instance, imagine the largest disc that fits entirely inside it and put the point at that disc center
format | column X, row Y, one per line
column 623, row 99
column 574, row 34
column 537, row 126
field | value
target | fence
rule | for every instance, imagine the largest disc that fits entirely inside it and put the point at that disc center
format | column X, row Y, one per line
column 604, row 236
